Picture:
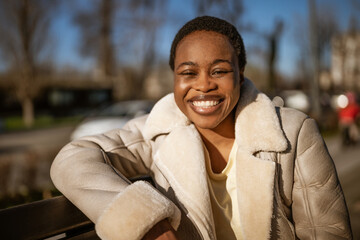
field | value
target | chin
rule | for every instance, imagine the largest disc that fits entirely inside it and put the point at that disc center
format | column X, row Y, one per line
column 205, row 124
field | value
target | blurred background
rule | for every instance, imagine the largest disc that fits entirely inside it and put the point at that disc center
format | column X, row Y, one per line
column 71, row 68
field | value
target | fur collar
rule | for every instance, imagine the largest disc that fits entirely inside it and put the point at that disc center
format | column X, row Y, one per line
column 257, row 126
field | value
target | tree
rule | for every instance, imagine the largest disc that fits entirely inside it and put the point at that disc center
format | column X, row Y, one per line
column 273, row 49
column 231, row 10
column 142, row 28
column 326, row 27
column 315, row 57
column 313, row 39
column 96, row 27
column 24, row 30
column 121, row 37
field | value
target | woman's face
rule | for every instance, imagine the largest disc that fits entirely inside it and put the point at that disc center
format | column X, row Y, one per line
column 207, row 78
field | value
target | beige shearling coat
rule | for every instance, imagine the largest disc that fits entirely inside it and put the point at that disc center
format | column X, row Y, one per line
column 286, row 181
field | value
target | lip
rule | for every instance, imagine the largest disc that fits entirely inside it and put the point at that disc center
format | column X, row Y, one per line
column 206, row 104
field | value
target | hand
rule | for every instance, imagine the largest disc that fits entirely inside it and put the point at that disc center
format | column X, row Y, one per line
column 161, row 231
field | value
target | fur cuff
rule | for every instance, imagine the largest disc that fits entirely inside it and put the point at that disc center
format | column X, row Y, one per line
column 135, row 211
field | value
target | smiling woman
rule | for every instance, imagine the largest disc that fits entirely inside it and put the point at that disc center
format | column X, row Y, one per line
column 226, row 162
column 207, row 79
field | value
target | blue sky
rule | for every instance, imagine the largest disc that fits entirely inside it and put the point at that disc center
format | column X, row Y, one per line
column 260, row 13
column 263, row 13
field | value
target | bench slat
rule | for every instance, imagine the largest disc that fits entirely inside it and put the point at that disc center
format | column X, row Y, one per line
column 43, row 219
column 54, row 218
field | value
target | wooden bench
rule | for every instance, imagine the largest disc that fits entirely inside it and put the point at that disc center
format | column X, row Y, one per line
column 55, row 218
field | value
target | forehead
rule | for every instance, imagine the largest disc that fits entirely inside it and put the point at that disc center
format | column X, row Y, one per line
column 204, row 44
column 204, row 34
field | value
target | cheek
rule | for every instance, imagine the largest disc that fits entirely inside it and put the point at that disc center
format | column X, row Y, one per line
column 233, row 91
column 181, row 88
column 179, row 93
column 232, row 87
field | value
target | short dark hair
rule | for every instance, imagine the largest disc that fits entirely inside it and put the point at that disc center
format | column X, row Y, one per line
column 208, row 23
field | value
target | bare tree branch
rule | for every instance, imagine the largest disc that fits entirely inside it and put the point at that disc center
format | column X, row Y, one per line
column 24, row 28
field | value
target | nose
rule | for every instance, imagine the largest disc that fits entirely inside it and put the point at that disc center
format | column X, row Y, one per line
column 204, row 83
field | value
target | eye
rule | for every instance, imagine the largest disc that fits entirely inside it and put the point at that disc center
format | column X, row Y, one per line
column 189, row 73
column 219, row 72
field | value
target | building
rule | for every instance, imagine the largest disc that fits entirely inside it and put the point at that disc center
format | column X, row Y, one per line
column 345, row 62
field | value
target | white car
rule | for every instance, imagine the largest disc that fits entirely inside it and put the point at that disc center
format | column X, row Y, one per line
column 111, row 117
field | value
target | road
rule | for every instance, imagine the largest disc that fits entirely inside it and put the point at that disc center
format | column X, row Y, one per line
column 25, row 159
column 347, row 162
column 43, row 137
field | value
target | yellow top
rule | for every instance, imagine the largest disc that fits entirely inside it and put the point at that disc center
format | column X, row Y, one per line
column 223, row 198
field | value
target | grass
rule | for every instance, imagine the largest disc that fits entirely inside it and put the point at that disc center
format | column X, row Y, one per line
column 15, row 123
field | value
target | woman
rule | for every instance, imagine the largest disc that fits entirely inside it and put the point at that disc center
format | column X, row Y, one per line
column 226, row 162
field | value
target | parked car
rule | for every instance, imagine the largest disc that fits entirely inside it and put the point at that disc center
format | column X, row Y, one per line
column 296, row 99
column 114, row 116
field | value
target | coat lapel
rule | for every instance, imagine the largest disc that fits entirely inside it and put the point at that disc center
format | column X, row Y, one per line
column 255, row 184
column 257, row 126
column 181, row 160
column 257, row 129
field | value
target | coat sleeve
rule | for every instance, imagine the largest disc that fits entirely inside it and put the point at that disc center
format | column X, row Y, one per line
column 92, row 173
column 319, row 208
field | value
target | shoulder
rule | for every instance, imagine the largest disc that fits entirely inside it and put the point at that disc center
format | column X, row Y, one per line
column 136, row 123
column 301, row 130
column 288, row 115
column 294, row 123
column 291, row 118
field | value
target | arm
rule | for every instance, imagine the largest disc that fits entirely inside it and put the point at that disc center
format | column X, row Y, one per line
column 319, row 209
column 161, row 231
column 84, row 172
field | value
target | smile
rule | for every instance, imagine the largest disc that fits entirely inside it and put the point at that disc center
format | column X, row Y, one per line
column 205, row 104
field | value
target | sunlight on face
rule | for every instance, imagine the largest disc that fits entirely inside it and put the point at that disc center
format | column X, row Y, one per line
column 207, row 78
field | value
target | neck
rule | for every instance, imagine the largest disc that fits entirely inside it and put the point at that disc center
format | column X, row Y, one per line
column 219, row 141
column 225, row 130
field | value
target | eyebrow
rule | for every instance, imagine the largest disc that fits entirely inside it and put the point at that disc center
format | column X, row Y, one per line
column 186, row 64
column 216, row 61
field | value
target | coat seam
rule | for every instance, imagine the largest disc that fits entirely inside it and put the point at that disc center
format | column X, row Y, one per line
column 306, row 200
column 304, row 189
column 125, row 145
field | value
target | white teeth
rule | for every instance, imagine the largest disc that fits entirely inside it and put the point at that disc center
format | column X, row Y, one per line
column 205, row 104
